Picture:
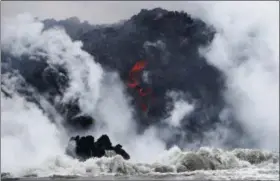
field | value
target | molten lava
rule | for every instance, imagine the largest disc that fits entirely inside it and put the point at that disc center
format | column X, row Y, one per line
column 134, row 83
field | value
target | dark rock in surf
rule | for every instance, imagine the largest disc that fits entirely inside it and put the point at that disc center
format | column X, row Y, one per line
column 86, row 147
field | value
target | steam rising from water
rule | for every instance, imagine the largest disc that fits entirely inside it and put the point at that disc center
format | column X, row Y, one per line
column 101, row 97
column 245, row 49
column 27, row 137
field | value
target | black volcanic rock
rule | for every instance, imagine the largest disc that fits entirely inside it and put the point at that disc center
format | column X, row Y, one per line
column 170, row 43
column 85, row 147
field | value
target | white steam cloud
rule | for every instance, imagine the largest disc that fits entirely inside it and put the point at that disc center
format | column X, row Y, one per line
column 246, row 49
column 28, row 137
column 100, row 94
column 181, row 108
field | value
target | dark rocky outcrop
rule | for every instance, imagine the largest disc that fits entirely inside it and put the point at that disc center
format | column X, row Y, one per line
column 86, row 148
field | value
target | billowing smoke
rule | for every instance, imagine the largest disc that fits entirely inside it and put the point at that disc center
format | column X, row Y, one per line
column 28, row 135
column 180, row 110
column 246, row 49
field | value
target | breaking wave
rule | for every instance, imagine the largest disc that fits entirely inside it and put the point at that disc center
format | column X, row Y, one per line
column 172, row 162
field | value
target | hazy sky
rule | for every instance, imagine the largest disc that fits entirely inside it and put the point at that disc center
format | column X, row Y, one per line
column 93, row 11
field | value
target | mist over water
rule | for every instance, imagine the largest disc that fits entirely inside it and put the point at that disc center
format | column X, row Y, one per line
column 103, row 98
column 245, row 48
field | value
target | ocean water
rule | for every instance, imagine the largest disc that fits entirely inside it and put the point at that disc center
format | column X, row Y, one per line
column 210, row 163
